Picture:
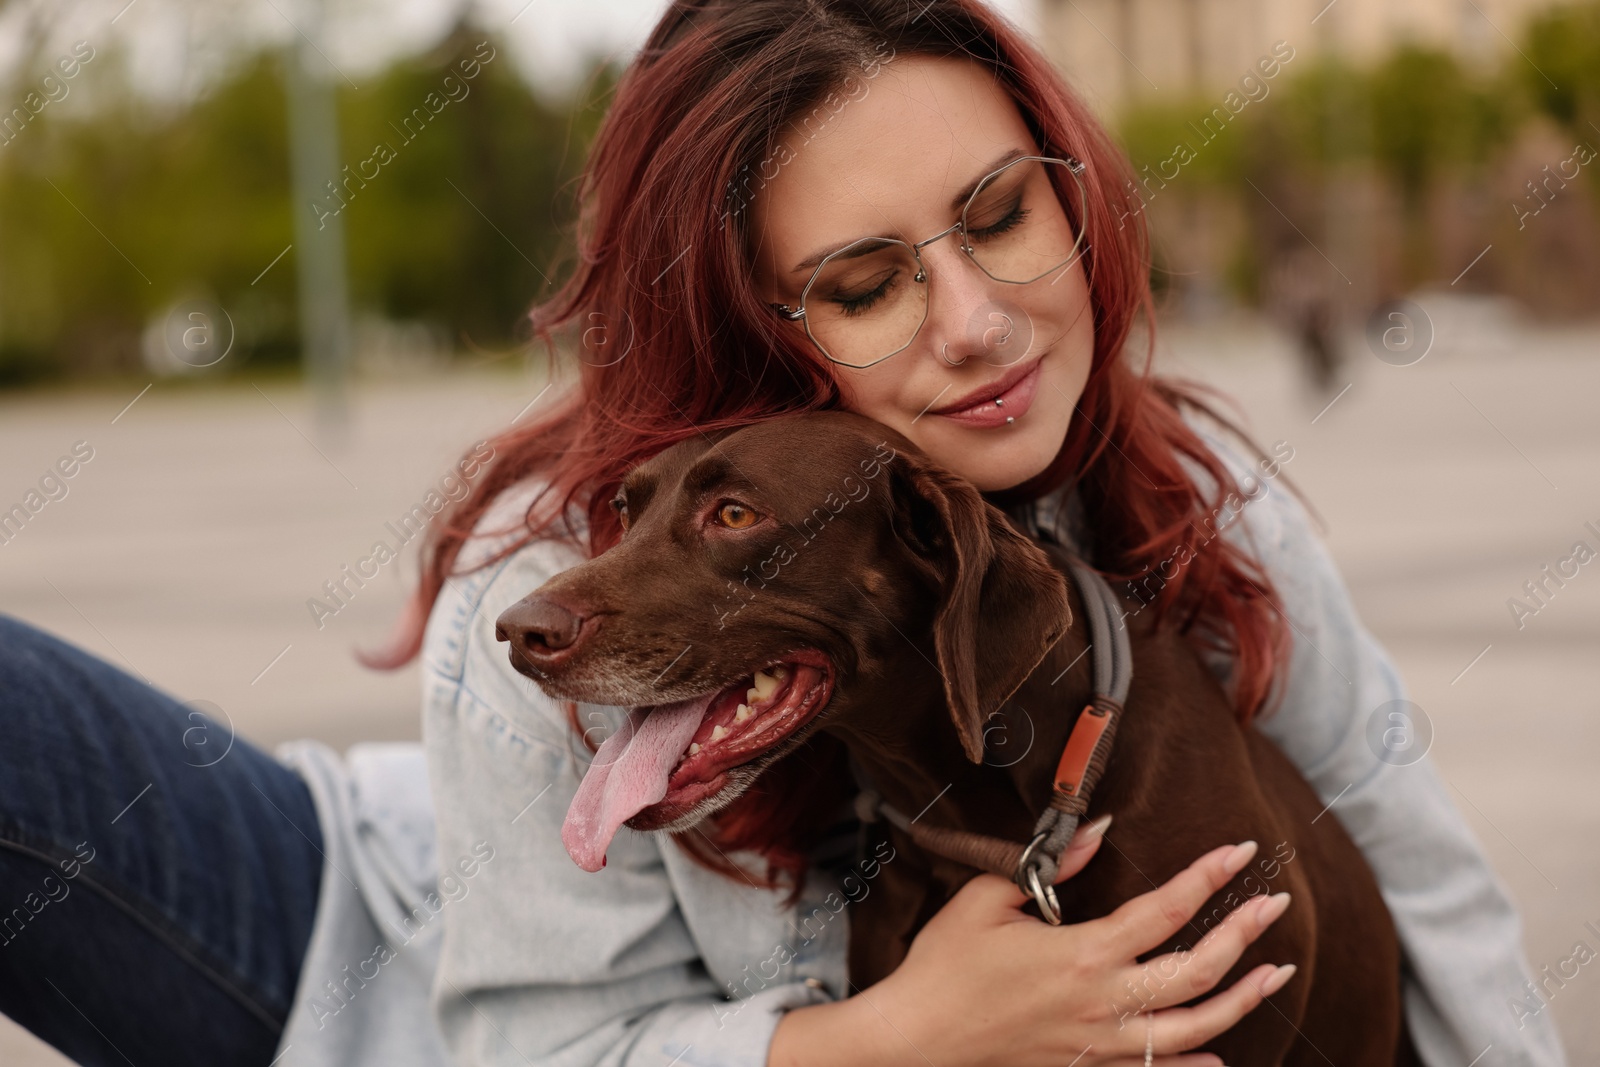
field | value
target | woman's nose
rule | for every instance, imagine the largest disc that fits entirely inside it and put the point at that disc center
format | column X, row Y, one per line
column 968, row 316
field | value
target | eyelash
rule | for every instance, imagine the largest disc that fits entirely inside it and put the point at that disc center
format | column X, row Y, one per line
column 861, row 304
column 1010, row 222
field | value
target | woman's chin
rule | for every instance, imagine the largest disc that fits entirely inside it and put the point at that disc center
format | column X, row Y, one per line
column 992, row 464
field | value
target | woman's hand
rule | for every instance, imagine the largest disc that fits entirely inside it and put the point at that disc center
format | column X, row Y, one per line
column 985, row 983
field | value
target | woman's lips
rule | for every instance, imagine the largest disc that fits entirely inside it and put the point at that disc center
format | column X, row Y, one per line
column 1015, row 402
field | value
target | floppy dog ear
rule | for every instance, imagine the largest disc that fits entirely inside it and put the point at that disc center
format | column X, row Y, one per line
column 1003, row 605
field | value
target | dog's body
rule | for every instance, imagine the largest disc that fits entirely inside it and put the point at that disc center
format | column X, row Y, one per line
column 926, row 610
column 1183, row 779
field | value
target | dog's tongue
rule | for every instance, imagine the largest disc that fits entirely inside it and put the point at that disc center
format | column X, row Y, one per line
column 629, row 773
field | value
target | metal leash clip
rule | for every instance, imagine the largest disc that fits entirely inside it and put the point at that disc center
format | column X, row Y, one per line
column 1043, row 895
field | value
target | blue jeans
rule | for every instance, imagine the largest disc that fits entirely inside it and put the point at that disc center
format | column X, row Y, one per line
column 156, row 894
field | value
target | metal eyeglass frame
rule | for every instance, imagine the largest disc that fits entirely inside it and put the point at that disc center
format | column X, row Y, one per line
column 1074, row 167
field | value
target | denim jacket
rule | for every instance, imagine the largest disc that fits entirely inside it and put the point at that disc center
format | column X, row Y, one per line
column 472, row 937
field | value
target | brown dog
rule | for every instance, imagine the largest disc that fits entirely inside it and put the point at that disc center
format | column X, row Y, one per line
column 818, row 573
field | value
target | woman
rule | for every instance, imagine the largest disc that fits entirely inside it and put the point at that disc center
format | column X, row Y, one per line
column 770, row 225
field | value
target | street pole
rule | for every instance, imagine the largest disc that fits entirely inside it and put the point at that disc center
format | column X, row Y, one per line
column 318, row 225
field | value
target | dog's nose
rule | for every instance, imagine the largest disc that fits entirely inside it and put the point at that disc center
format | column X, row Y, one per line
column 541, row 629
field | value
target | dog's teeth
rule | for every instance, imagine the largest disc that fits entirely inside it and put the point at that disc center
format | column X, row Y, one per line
column 718, row 732
column 780, row 672
column 742, row 713
column 766, row 684
column 752, row 695
column 694, row 748
column 766, row 723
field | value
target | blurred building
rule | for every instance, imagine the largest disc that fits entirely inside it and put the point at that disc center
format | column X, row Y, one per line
column 1115, row 51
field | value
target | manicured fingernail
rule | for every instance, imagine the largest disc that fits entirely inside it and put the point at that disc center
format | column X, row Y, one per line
column 1099, row 826
column 1239, row 857
column 1271, row 908
column 1275, row 981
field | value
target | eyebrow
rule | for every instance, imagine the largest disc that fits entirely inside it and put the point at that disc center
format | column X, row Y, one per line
column 957, row 202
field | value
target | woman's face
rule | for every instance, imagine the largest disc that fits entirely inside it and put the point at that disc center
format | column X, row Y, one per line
column 890, row 162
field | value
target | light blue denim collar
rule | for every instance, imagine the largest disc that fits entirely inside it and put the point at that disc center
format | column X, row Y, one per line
column 1056, row 516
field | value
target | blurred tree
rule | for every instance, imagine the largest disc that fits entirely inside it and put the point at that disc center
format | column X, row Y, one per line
column 1430, row 115
column 1305, row 163
column 1562, row 73
column 1311, row 134
column 1429, row 119
column 108, row 216
column 464, row 226
column 1173, row 137
column 1315, row 100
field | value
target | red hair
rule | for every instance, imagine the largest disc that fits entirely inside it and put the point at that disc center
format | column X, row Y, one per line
column 675, row 341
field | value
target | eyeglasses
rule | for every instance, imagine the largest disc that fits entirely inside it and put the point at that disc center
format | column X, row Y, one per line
column 868, row 300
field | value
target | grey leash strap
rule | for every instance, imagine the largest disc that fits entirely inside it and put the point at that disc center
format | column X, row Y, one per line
column 1113, row 673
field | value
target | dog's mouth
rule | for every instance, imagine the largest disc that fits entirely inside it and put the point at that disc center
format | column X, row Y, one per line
column 667, row 759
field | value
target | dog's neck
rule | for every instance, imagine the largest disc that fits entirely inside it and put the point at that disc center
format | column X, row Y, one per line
column 915, row 759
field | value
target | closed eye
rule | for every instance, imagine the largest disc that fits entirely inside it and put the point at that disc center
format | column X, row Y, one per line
column 1010, row 222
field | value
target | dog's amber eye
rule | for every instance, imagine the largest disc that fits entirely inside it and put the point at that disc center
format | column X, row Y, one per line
column 735, row 516
column 620, row 506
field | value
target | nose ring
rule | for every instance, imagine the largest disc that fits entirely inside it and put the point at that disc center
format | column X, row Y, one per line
column 945, row 353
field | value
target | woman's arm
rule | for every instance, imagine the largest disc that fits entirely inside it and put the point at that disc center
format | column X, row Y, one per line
column 1461, row 935
column 543, row 963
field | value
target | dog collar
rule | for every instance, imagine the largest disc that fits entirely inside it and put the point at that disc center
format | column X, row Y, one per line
column 1033, row 866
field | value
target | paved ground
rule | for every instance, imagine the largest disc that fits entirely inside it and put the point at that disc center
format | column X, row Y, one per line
column 188, row 546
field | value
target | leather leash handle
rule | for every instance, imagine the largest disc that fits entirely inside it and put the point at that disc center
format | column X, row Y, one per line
column 1084, row 759
column 992, row 854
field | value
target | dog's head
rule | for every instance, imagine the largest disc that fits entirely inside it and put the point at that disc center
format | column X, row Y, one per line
column 771, row 580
